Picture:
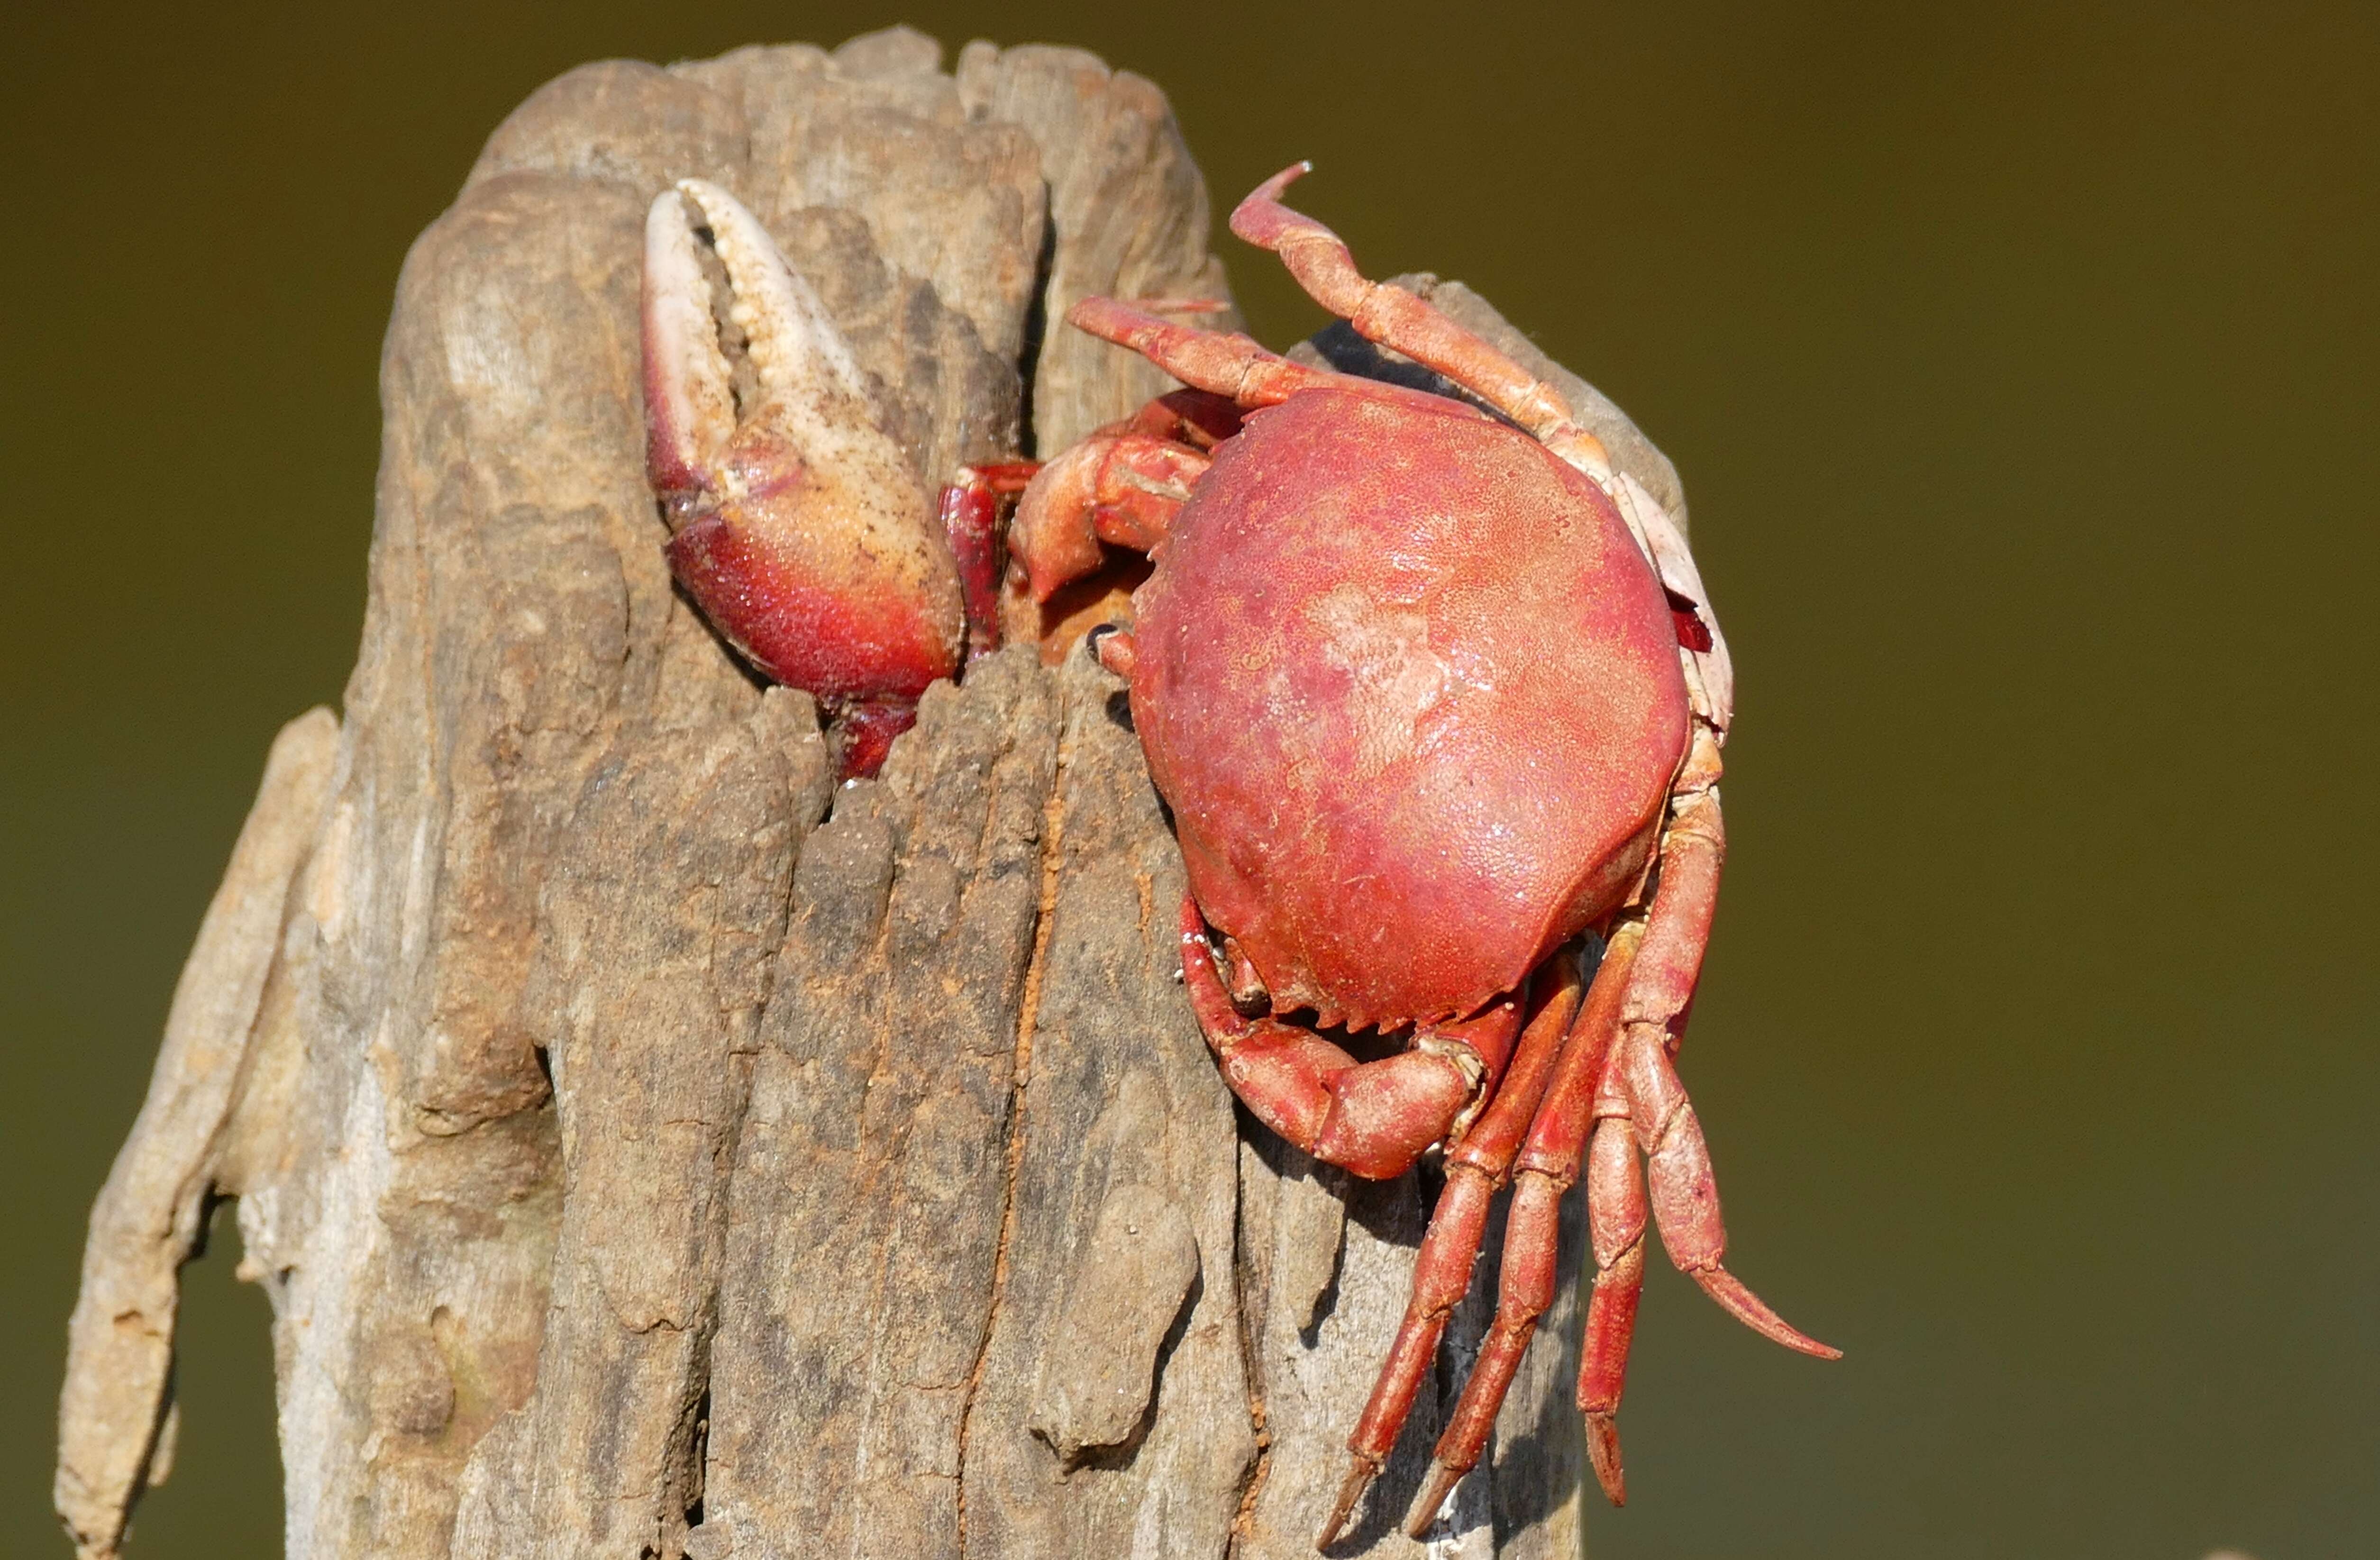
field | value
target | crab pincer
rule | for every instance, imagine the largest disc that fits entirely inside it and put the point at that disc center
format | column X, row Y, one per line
column 797, row 524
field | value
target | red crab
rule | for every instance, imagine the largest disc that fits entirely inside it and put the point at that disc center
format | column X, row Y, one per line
column 1433, row 694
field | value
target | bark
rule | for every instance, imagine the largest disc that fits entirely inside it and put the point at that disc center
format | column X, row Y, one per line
column 650, row 1150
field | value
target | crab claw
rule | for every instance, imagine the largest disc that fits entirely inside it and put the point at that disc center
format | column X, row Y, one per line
column 796, row 525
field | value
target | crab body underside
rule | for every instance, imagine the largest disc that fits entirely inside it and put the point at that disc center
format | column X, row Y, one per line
column 1434, row 695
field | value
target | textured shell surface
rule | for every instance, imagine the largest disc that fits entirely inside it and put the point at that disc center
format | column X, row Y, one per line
column 1414, row 695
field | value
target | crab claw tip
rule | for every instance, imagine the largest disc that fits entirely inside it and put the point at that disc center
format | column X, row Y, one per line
column 689, row 404
column 794, row 349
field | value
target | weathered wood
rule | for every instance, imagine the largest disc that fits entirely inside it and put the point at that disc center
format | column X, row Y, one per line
column 649, row 1149
column 115, row 1421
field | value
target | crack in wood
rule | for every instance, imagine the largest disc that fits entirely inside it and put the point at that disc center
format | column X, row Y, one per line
column 1053, row 840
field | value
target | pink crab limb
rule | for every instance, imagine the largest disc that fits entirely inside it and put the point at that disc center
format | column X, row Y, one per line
column 1546, row 1168
column 1122, row 486
column 1182, row 306
column 1615, row 1218
column 1233, row 366
column 797, row 525
column 1117, row 487
column 1685, row 1193
column 1475, row 1168
column 1641, row 1105
column 1229, row 366
column 1394, row 318
column 1372, row 1118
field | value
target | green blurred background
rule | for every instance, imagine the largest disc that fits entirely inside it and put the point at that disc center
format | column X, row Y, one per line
column 2021, row 366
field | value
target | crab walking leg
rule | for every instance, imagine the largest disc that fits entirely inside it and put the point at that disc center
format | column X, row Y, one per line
column 1381, row 312
column 1547, row 1167
column 1684, row 1191
column 1641, row 1103
column 1615, row 1220
column 1475, row 1168
column 1372, row 1118
column 1230, row 365
column 1113, row 487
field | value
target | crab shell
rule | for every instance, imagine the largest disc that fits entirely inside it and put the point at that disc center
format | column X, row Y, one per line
column 1413, row 692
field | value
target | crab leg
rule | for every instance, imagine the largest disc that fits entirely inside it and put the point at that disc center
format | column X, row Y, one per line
column 1642, row 1103
column 1372, row 1118
column 1389, row 315
column 1547, row 1167
column 1231, row 366
column 1475, row 1168
column 1685, row 1196
column 1113, row 487
column 1615, row 1221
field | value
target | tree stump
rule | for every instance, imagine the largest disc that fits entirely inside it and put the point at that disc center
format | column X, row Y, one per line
column 652, row 1150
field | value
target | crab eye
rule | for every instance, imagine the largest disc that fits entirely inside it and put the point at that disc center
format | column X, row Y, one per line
column 1693, row 632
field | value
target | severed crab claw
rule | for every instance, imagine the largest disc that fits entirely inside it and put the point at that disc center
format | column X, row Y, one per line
column 797, row 523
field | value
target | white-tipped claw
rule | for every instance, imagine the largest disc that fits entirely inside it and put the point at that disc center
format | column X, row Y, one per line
column 794, row 347
column 807, row 379
column 689, row 397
